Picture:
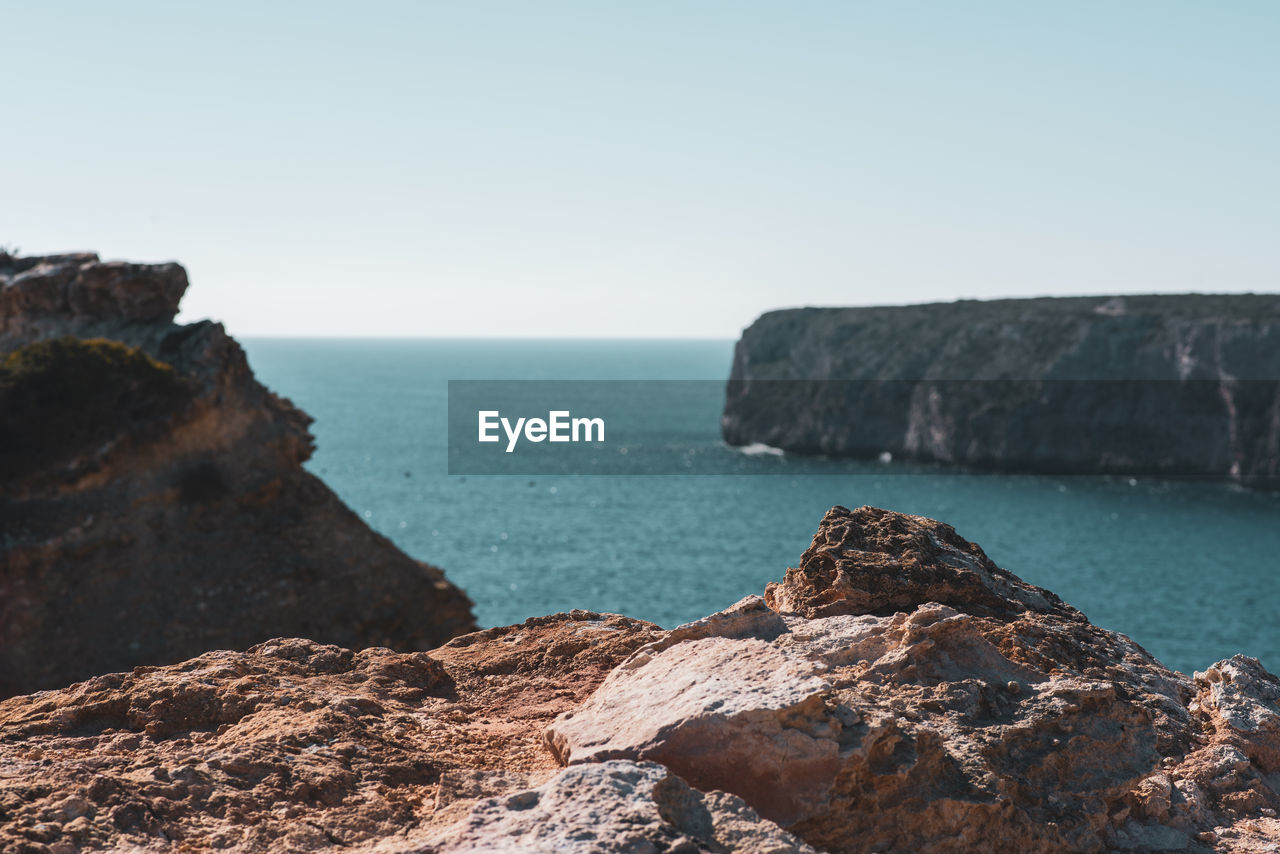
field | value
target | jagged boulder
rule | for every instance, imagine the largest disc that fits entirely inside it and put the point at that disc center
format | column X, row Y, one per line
column 153, row 503
column 907, row 695
column 874, row 561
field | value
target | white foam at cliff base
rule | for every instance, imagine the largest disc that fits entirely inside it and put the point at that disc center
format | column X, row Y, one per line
column 756, row 449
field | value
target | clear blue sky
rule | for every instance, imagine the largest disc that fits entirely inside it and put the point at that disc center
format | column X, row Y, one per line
column 646, row 169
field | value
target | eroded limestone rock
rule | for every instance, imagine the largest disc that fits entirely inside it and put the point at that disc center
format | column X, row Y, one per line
column 1054, row 385
column 616, row 806
column 152, row 495
column 869, row 716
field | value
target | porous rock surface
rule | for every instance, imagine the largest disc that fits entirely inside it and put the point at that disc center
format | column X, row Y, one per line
column 899, row 692
column 896, row 692
column 297, row 746
column 153, row 504
column 615, row 806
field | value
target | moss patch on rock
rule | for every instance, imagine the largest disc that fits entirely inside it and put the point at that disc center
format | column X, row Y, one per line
column 67, row 396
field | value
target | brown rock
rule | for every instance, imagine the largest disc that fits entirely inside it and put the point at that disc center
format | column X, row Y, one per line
column 968, row 726
column 152, row 496
column 76, row 294
column 872, row 561
column 871, row 716
column 295, row 745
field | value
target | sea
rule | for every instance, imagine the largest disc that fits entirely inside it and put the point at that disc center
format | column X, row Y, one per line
column 1188, row 569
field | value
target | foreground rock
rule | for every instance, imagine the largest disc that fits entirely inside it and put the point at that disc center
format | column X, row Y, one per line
column 294, row 745
column 896, row 692
column 1164, row 385
column 908, row 695
column 615, row 807
column 152, row 493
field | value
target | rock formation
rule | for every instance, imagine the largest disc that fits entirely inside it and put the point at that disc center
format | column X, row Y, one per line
column 153, row 503
column 1163, row 385
column 896, row 692
column 296, row 746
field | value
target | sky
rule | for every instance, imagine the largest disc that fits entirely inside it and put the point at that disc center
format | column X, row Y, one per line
column 642, row 169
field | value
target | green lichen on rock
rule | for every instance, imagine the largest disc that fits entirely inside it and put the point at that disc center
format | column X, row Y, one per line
column 66, row 396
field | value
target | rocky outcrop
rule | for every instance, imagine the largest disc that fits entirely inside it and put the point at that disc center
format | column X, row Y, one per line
column 1163, row 385
column 896, row 692
column 153, row 503
column 907, row 695
column 296, row 746
column 615, row 806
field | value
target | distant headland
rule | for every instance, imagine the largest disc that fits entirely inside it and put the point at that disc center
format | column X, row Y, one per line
column 1181, row 385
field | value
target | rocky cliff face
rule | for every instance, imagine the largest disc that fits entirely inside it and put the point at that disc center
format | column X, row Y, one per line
column 1171, row 385
column 896, row 692
column 152, row 500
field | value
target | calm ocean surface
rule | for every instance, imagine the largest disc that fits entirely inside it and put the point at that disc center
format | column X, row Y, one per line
column 1189, row 570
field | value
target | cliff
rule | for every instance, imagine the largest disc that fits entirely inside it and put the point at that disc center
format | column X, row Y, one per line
column 153, row 503
column 895, row 692
column 1166, row 385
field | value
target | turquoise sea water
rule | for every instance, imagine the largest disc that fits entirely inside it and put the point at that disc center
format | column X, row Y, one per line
column 1189, row 570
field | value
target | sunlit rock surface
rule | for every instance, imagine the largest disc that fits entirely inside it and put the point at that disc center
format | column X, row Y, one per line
column 902, row 694
column 908, row 695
